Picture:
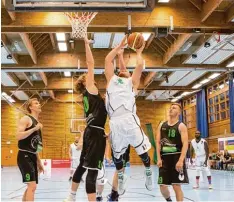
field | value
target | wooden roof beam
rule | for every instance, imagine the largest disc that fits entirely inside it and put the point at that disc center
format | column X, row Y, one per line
column 29, row 46
column 175, row 47
column 208, row 8
column 7, row 44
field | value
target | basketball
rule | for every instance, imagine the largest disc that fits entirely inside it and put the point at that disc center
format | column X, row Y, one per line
column 135, row 40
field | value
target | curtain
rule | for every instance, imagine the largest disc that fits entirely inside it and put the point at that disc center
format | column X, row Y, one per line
column 202, row 122
column 231, row 102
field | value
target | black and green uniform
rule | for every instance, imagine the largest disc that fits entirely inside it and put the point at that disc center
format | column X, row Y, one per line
column 94, row 139
column 27, row 158
column 171, row 146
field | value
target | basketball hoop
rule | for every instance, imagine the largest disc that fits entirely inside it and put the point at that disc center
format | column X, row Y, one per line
column 80, row 23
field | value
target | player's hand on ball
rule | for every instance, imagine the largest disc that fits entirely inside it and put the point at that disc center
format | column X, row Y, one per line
column 139, row 51
column 159, row 163
column 179, row 166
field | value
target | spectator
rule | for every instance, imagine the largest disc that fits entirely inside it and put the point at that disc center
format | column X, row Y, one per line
column 226, row 160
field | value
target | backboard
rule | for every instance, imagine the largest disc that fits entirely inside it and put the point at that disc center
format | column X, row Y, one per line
column 80, row 5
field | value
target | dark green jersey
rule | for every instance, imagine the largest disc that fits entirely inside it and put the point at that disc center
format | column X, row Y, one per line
column 170, row 139
column 95, row 110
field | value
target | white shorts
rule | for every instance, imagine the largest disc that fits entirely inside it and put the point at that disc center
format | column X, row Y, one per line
column 127, row 130
column 75, row 163
column 200, row 160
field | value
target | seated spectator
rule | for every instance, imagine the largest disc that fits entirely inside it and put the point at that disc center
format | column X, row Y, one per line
column 219, row 158
column 213, row 159
column 226, row 160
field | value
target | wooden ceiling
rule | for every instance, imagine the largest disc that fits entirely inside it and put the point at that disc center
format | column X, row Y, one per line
column 163, row 54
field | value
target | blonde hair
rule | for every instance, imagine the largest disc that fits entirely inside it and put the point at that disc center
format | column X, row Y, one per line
column 29, row 104
column 177, row 104
column 79, row 84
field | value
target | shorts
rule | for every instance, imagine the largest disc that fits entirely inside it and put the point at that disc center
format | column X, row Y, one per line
column 125, row 156
column 94, row 144
column 126, row 130
column 27, row 163
column 75, row 163
column 168, row 175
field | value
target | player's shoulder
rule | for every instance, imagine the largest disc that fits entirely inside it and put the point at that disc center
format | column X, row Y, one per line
column 25, row 118
column 203, row 140
column 182, row 126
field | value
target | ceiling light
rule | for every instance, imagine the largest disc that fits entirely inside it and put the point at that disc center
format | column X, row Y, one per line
column 9, row 57
column 204, row 81
column 71, row 40
column 207, row 45
column 187, row 45
column 146, row 36
column 163, row 1
column 214, row 75
column 67, row 74
column 7, row 97
column 70, row 91
column 60, row 36
column 185, row 93
column 196, row 86
column 231, row 64
column 194, row 56
column 174, row 100
column 197, row 30
column 62, row 46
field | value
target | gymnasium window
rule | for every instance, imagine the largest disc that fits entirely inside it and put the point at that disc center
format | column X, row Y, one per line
column 189, row 112
column 218, row 101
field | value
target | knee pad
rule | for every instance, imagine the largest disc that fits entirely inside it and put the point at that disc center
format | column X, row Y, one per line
column 77, row 176
column 91, row 181
column 118, row 162
column 146, row 159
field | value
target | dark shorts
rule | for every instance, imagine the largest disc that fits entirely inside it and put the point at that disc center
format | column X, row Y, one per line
column 125, row 157
column 27, row 163
column 94, row 145
column 168, row 175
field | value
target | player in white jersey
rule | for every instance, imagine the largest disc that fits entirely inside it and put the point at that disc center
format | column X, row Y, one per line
column 74, row 155
column 200, row 147
column 124, row 122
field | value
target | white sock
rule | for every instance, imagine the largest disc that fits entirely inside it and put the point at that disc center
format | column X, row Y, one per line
column 73, row 194
column 99, row 194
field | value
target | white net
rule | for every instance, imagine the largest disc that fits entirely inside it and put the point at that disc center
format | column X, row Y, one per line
column 80, row 22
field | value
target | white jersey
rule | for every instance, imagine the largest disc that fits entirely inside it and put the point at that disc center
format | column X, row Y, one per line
column 74, row 152
column 120, row 93
column 199, row 147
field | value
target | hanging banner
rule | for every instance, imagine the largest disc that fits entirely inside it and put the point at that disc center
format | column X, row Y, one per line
column 226, row 143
